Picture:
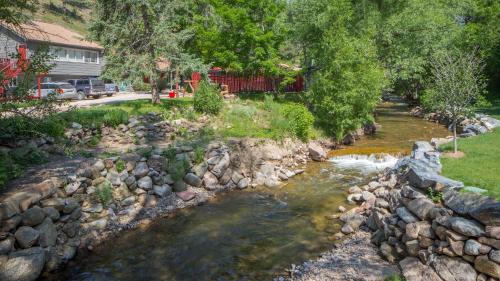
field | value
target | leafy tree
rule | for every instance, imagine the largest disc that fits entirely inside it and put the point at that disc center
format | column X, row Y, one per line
column 339, row 52
column 482, row 31
column 457, row 86
column 238, row 35
column 411, row 32
column 143, row 39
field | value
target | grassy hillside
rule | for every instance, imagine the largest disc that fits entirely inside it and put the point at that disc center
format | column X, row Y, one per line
column 73, row 14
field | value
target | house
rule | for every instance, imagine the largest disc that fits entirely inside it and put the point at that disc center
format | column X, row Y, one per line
column 74, row 57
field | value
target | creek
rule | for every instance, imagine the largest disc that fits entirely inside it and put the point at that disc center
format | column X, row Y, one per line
column 256, row 233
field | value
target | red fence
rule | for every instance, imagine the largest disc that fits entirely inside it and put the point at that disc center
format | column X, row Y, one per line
column 254, row 83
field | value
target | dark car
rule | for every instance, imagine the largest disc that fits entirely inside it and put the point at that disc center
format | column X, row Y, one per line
column 88, row 87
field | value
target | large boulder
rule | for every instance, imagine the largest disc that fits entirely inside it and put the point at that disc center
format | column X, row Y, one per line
column 26, row 236
column 420, row 207
column 192, row 179
column 33, row 216
column 406, row 215
column 488, row 214
column 23, row 265
column 485, row 265
column 145, row 183
column 141, row 170
column 466, row 227
column 453, row 269
column 316, row 152
column 48, row 233
column 464, row 203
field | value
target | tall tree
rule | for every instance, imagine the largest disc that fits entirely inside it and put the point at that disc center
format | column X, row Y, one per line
column 143, row 37
column 411, row 32
column 339, row 51
column 238, row 35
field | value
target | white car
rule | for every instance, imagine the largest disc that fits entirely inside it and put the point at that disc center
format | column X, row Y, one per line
column 63, row 90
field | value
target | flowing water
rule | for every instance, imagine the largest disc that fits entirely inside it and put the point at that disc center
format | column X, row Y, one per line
column 254, row 234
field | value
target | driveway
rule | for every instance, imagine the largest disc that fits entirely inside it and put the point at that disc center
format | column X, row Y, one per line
column 116, row 98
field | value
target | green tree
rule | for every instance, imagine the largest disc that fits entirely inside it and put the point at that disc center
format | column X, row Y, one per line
column 411, row 32
column 238, row 35
column 457, row 87
column 138, row 35
column 482, row 31
column 339, row 53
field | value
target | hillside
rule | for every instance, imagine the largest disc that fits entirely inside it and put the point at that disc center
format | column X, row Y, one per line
column 73, row 14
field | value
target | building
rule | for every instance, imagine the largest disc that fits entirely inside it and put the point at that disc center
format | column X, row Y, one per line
column 74, row 56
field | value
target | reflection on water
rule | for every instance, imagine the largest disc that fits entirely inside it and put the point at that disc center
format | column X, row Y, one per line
column 247, row 235
column 253, row 234
column 397, row 133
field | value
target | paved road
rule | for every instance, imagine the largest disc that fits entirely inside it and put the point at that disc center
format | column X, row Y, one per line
column 109, row 100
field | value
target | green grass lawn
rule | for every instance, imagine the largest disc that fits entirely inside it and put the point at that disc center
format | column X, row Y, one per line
column 481, row 165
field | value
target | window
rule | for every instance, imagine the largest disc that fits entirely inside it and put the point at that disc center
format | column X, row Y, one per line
column 74, row 55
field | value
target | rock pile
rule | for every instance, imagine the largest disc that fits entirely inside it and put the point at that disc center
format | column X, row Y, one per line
column 454, row 237
column 141, row 129
column 43, row 226
column 466, row 127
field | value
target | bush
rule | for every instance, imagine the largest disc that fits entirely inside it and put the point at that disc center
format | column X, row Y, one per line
column 207, row 99
column 96, row 117
column 104, row 192
column 17, row 127
column 300, row 120
column 120, row 165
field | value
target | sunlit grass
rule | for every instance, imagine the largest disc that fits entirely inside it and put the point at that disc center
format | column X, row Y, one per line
column 481, row 165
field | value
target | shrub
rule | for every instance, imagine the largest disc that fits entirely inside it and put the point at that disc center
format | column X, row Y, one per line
column 268, row 102
column 16, row 127
column 300, row 120
column 434, row 195
column 178, row 169
column 199, row 155
column 104, row 192
column 207, row 99
column 120, row 165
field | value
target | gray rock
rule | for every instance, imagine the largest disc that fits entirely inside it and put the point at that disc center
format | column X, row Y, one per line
column 221, row 167
column 114, row 178
column 48, row 233
column 93, row 208
column 192, row 180
column 56, row 203
column 157, row 163
column 243, row 183
column 141, row 170
column 484, row 265
column 26, row 236
column 145, row 183
column 23, row 265
column 466, row 227
column 52, row 213
column 453, row 269
column 316, row 152
column 6, row 246
column 33, row 216
column 366, row 195
column 68, row 253
column 179, row 186
column 128, row 201
column 130, row 181
column 409, row 192
column 488, row 214
column 414, row 270
column 99, row 165
column 420, row 207
column 200, row 169
column 163, row 190
column 70, row 205
column 71, row 229
column 72, row 187
column 210, row 181
column 464, row 203
column 406, row 215
column 472, row 247
column 495, row 256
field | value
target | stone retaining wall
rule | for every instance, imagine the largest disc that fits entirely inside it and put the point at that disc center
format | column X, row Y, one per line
column 43, row 227
column 454, row 237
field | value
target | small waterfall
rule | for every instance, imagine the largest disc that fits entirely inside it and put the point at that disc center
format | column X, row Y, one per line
column 365, row 163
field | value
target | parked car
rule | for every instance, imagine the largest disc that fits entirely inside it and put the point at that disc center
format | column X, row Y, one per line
column 88, row 87
column 63, row 90
column 111, row 89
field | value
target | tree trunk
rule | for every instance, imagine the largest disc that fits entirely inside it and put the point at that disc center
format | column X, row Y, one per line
column 455, row 136
column 155, row 94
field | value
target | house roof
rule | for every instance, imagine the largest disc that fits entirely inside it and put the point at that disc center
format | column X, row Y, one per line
column 53, row 33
